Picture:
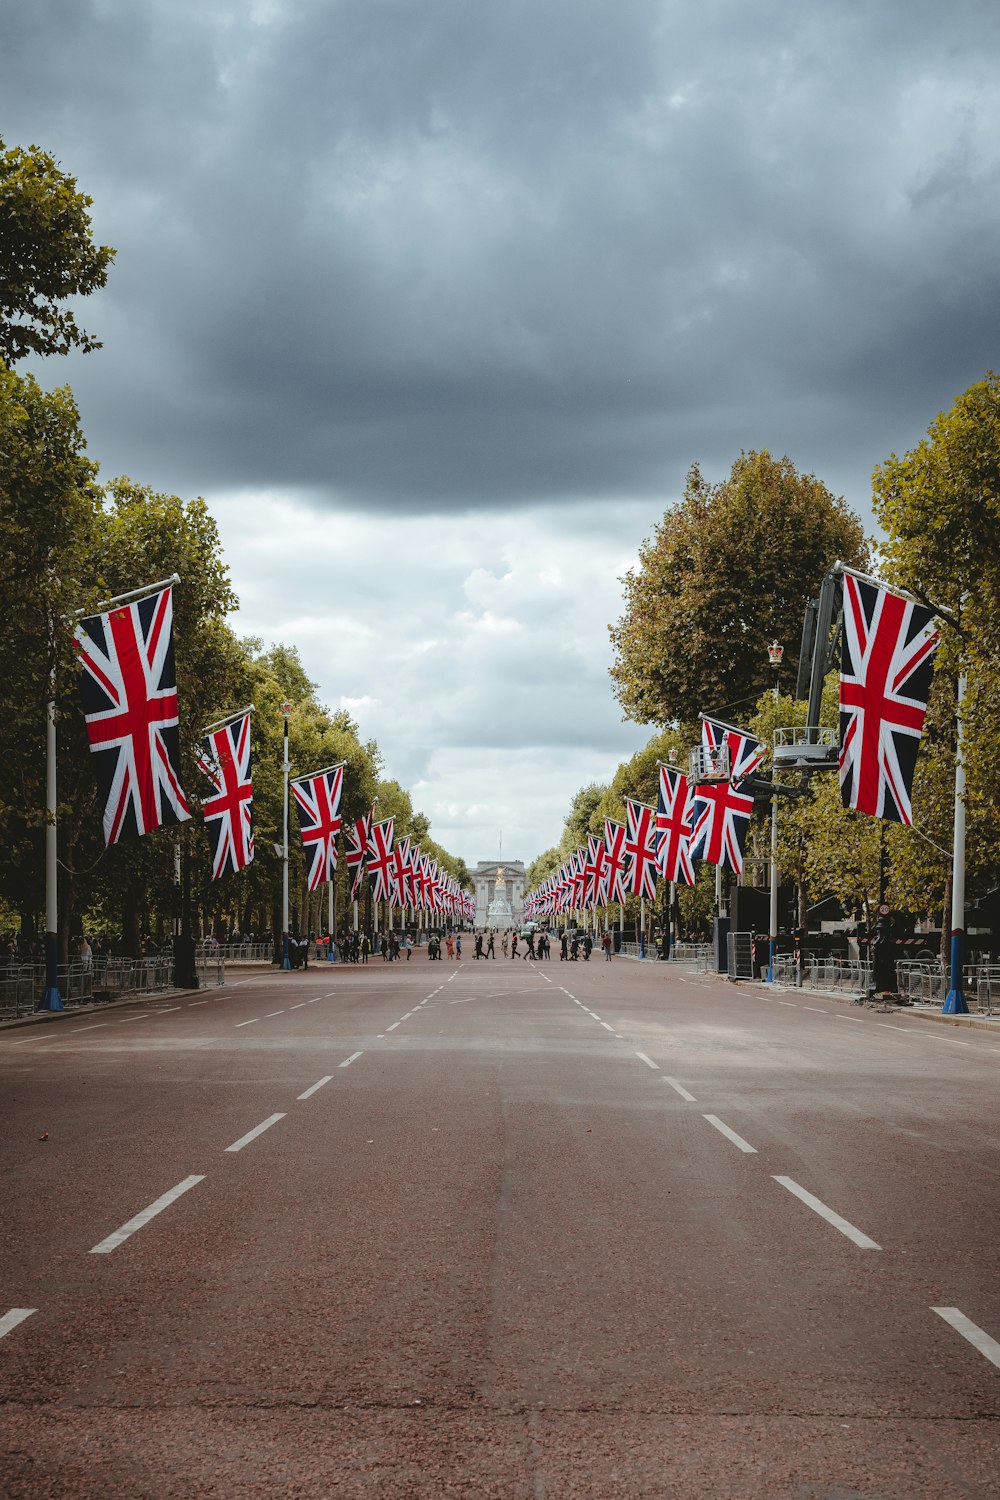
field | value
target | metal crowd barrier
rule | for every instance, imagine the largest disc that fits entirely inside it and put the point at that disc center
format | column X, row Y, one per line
column 928, row 983
column 696, row 955
column 22, row 986
column 254, row 953
column 840, row 975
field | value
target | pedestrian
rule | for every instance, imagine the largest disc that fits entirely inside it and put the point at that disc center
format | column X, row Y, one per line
column 513, row 945
column 479, row 945
column 562, row 946
column 383, row 948
column 606, row 945
column 529, row 951
column 489, row 948
column 304, row 950
column 366, row 948
column 449, row 943
column 505, row 942
column 574, row 949
column 458, row 947
column 588, row 944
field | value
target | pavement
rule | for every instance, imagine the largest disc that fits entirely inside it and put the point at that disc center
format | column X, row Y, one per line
column 499, row 1229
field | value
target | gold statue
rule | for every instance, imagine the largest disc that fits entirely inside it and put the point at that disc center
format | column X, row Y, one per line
column 501, row 879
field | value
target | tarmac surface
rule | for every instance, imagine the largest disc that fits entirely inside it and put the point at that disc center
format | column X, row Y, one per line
column 499, row 1229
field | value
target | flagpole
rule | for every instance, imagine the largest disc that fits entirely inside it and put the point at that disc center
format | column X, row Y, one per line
column 331, row 952
column 954, row 1004
column 286, row 709
column 774, row 655
column 147, row 588
column 51, row 999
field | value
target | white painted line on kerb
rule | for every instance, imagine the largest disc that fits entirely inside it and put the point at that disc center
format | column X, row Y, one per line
column 648, row 1061
column 252, row 1135
column 121, row 1235
column 393, row 1026
column 310, row 1091
column 976, row 1336
column 731, row 1135
column 353, row 1058
column 828, row 1214
column 247, row 1023
column 11, row 1319
column 680, row 1088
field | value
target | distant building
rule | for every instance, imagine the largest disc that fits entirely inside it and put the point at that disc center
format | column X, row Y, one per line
column 511, row 885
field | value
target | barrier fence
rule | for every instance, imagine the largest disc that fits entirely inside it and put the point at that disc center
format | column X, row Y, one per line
column 22, row 986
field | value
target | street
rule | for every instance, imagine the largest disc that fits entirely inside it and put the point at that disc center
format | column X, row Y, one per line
column 499, row 1229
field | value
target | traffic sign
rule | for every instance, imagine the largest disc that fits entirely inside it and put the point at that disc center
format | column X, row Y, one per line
column 884, row 909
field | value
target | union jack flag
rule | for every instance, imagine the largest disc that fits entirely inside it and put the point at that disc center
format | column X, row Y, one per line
column 745, row 751
column 720, row 819
column 885, row 680
column 380, row 861
column 318, row 800
column 641, row 872
column 614, row 846
column 597, row 891
column 401, row 873
column 225, row 760
column 673, row 828
column 358, row 840
column 129, row 692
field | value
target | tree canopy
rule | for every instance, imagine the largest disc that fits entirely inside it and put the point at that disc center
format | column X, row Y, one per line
column 47, row 254
column 728, row 569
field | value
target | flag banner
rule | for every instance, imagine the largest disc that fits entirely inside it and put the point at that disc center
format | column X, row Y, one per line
column 224, row 759
column 720, row 818
column 887, row 663
column 746, row 752
column 640, row 872
column 358, row 840
column 400, row 871
column 129, row 692
column 317, row 798
column 673, row 827
column 380, row 861
column 615, row 860
column 597, row 872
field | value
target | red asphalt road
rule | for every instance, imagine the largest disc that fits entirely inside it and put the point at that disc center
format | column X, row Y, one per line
column 502, row 1251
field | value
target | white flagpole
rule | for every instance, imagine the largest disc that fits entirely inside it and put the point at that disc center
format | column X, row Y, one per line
column 286, row 709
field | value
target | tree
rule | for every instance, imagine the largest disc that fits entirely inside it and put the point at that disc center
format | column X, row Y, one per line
column 46, row 255
column 728, row 569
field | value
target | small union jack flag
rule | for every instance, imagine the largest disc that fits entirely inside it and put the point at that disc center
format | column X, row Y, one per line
column 615, row 859
column 640, row 875
column 673, row 828
column 380, row 860
column 358, row 840
column 318, row 800
column 745, row 751
column 885, row 680
column 720, row 818
column 225, row 760
column 129, row 691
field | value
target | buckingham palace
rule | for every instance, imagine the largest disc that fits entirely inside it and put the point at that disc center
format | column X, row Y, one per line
column 511, row 885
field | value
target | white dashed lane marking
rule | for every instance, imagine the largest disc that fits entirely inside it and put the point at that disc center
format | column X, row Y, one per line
column 252, row 1135
column 13, row 1318
column 120, row 1235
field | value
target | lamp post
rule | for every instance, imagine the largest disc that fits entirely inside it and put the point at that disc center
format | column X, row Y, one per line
column 774, row 655
column 286, row 709
column 955, row 1003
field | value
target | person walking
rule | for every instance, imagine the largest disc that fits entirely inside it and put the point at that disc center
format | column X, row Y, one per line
column 606, row 945
column 513, row 945
column 562, row 946
column 449, row 943
column 479, row 945
column 505, row 942
column 490, row 951
column 458, row 946
column 366, row 948
column 529, row 951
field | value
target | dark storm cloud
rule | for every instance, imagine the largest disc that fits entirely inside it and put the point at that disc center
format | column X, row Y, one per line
column 439, row 254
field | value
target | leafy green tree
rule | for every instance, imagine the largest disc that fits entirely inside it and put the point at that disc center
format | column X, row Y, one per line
column 727, row 569
column 47, row 254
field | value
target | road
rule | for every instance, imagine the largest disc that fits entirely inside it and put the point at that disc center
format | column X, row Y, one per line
column 499, row 1229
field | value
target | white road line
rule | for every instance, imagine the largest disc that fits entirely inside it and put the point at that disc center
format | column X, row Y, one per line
column 309, row 1092
column 11, row 1319
column 680, row 1088
column 849, row 1018
column 272, row 1013
column 409, row 1013
column 247, row 1023
column 816, row 1010
column 976, row 1336
column 731, row 1135
column 888, row 1026
column 393, row 1026
column 299, row 1006
column 132, row 1018
column 120, row 1235
column 607, row 1027
column 792, row 1004
column 828, row 1214
column 252, row 1135
column 193, row 1003
column 648, row 1061
column 88, row 1028
column 166, row 1010
column 353, row 1058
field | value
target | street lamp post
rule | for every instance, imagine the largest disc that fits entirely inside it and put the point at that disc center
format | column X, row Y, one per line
column 774, row 655
column 286, row 709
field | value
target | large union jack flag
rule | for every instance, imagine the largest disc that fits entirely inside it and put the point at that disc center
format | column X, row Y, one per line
column 641, row 871
column 317, row 798
column 885, row 679
column 225, row 760
column 720, row 820
column 358, row 841
column 673, row 828
column 129, row 691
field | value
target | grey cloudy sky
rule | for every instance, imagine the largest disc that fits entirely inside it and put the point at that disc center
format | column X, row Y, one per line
column 436, row 301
